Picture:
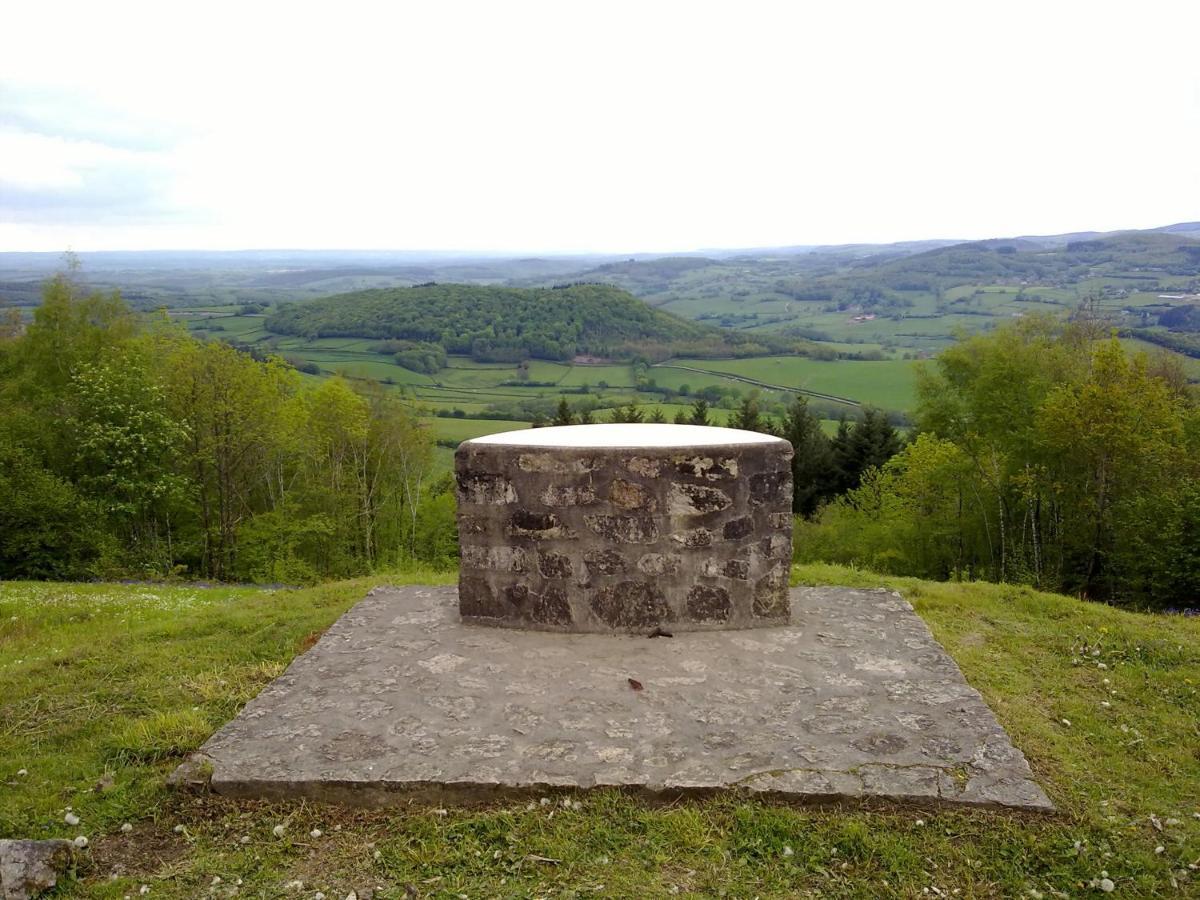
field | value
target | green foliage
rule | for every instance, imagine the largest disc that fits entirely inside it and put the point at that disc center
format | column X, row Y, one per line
column 47, row 529
column 856, row 449
column 126, row 442
column 69, row 328
column 748, row 417
column 420, row 356
column 433, row 533
column 630, row 413
column 812, row 460
column 563, row 415
column 904, row 517
column 500, row 324
column 1048, row 456
column 128, row 446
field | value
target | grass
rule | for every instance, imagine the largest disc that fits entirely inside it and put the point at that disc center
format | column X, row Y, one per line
column 888, row 384
column 103, row 688
column 451, row 429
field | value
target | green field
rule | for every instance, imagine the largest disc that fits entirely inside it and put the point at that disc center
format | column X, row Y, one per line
column 464, row 429
column 1190, row 366
column 888, row 384
column 105, row 688
column 475, row 387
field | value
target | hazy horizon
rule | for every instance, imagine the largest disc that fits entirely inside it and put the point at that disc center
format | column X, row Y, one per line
column 458, row 253
column 544, row 129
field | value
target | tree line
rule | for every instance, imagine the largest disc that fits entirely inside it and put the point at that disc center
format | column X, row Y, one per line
column 128, row 447
column 823, row 467
column 1044, row 454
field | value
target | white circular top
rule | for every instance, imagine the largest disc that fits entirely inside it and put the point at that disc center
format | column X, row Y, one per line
column 634, row 435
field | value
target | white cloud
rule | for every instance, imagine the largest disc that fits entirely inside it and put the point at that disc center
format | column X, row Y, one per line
column 614, row 126
column 37, row 162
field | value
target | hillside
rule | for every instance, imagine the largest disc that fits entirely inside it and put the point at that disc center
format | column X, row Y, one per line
column 919, row 293
column 916, row 298
column 497, row 324
column 878, row 277
column 103, row 688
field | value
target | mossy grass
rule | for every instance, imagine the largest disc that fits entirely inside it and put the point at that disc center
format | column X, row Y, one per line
column 104, row 688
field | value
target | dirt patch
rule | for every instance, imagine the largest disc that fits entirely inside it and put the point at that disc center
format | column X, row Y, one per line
column 309, row 641
column 145, row 851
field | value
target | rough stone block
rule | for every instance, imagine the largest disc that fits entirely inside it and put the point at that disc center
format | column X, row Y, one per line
column 30, row 868
column 624, row 528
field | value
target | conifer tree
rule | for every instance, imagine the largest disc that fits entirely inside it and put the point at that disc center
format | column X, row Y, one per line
column 563, row 415
column 747, row 417
column 813, row 474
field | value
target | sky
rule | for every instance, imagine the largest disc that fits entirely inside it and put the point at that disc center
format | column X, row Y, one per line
column 562, row 127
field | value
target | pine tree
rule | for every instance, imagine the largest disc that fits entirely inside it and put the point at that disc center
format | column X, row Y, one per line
column 841, row 473
column 813, row 474
column 868, row 444
column 699, row 413
column 657, row 416
column 626, row 414
column 563, row 415
column 747, row 416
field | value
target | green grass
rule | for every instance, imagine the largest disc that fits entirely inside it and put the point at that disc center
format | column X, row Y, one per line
column 448, row 429
column 1190, row 366
column 889, row 384
column 103, row 688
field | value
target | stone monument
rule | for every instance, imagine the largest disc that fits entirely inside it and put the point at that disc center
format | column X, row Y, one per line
column 613, row 535
column 625, row 528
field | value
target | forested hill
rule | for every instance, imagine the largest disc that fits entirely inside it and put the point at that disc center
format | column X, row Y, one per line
column 505, row 324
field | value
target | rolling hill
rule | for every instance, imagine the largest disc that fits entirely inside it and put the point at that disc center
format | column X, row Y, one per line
column 503, row 324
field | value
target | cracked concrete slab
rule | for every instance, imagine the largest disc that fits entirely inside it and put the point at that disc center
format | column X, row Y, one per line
column 399, row 700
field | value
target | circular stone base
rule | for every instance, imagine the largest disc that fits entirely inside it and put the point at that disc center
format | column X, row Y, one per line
column 625, row 528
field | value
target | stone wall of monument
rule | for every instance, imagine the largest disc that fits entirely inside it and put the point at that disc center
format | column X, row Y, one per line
column 595, row 539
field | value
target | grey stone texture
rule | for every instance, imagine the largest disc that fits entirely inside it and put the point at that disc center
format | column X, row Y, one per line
column 30, row 868
column 399, row 700
column 624, row 539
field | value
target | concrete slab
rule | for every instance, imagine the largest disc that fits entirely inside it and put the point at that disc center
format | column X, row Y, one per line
column 399, row 701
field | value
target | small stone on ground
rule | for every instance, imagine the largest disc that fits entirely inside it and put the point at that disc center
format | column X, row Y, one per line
column 29, row 868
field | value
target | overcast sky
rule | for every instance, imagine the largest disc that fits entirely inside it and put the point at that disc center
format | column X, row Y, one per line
column 606, row 126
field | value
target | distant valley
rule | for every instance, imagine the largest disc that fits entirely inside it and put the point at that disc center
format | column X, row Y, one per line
column 480, row 343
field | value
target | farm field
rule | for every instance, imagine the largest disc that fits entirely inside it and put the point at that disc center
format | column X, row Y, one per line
column 889, row 384
column 516, row 394
column 459, row 430
column 469, row 388
column 1191, row 367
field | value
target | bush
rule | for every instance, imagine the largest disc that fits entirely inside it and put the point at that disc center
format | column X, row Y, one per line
column 47, row 529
